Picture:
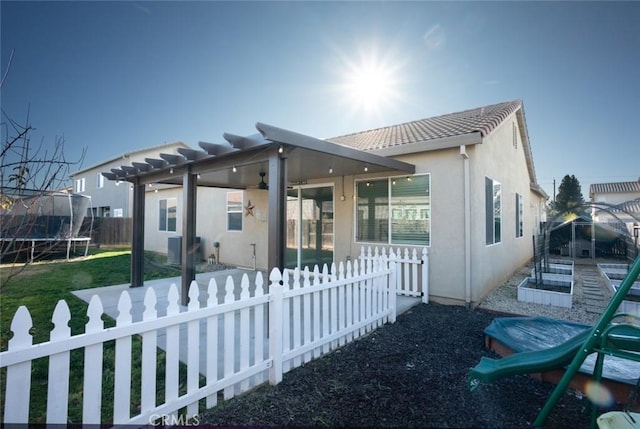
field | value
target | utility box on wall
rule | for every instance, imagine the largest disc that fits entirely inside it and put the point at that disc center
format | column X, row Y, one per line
column 174, row 250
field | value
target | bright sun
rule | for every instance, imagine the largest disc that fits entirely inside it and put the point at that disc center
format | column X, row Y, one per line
column 372, row 84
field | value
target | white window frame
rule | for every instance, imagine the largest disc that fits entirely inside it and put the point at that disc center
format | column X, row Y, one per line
column 80, row 185
column 493, row 211
column 233, row 210
column 166, row 227
column 99, row 181
column 519, row 215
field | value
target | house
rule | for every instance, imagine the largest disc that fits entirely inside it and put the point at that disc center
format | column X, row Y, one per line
column 462, row 185
column 615, row 207
column 113, row 198
column 616, row 204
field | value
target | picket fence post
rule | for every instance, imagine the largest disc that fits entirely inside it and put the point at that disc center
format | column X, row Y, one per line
column 229, row 338
column 275, row 327
column 149, row 353
column 93, row 355
column 193, row 348
column 392, row 286
column 425, row 275
column 122, row 368
column 58, row 384
column 16, row 405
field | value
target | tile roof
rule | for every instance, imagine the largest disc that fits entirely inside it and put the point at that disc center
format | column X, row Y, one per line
column 481, row 119
column 614, row 187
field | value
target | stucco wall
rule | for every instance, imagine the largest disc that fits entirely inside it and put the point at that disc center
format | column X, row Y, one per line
column 499, row 159
column 211, row 225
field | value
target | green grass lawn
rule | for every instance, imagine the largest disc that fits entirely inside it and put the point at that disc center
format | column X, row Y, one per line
column 39, row 287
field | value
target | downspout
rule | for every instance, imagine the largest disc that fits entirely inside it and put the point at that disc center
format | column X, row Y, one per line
column 467, row 224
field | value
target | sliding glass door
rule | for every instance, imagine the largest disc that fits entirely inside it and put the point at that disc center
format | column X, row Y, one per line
column 309, row 226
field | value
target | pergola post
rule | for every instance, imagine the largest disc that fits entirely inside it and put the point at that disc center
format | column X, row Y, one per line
column 189, row 245
column 277, row 209
column 137, row 239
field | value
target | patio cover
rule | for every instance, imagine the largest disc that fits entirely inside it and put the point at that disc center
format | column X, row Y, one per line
column 284, row 156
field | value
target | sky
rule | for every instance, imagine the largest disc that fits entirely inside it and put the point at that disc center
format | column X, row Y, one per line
column 118, row 76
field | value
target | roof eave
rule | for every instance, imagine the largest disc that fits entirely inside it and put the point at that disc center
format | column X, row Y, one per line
column 431, row 145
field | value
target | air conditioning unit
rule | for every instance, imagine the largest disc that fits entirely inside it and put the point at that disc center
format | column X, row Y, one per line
column 174, row 250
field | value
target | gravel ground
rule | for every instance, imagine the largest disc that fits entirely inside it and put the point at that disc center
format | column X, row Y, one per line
column 504, row 299
column 412, row 374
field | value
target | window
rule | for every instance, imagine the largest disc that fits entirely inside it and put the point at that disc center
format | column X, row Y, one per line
column 493, row 211
column 118, row 213
column 395, row 210
column 168, row 214
column 519, row 215
column 234, row 211
column 514, row 129
column 80, row 185
column 99, row 180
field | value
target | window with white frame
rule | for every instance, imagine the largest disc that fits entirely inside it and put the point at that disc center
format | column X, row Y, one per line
column 168, row 209
column 493, row 211
column 514, row 129
column 395, row 210
column 80, row 185
column 99, row 180
column 234, row 210
column 519, row 216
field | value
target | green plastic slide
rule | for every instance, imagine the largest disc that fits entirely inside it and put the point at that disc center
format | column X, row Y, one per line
column 528, row 362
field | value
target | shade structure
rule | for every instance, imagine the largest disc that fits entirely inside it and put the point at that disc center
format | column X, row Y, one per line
column 285, row 157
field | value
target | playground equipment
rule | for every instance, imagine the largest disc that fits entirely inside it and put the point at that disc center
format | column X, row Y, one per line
column 605, row 338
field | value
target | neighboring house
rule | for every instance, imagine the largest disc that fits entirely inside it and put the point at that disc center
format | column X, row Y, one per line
column 114, row 198
column 463, row 185
column 616, row 204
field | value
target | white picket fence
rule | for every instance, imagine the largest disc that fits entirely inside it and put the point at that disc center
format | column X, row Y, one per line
column 412, row 273
column 301, row 317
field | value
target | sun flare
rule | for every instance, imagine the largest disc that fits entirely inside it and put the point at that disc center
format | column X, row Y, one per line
column 370, row 83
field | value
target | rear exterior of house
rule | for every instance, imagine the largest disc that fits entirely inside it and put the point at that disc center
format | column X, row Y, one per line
column 473, row 202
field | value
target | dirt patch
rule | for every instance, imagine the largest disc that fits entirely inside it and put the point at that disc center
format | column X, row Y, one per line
column 411, row 373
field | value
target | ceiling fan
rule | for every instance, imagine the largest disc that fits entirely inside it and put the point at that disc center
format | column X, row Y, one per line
column 263, row 185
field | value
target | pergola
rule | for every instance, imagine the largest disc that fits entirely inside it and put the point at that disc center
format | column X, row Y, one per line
column 284, row 156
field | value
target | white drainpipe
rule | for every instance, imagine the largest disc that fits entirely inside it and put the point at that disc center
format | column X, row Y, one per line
column 467, row 223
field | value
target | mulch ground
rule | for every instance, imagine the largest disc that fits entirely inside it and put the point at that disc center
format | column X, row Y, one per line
column 408, row 374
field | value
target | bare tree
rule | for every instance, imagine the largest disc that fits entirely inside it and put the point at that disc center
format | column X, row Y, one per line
column 30, row 176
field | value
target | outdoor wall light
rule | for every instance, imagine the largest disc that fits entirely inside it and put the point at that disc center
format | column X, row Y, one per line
column 330, row 170
column 366, row 168
column 234, row 169
column 280, row 149
column 171, row 171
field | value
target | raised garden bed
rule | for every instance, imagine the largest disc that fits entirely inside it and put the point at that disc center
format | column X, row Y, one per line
column 613, row 275
column 556, row 288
